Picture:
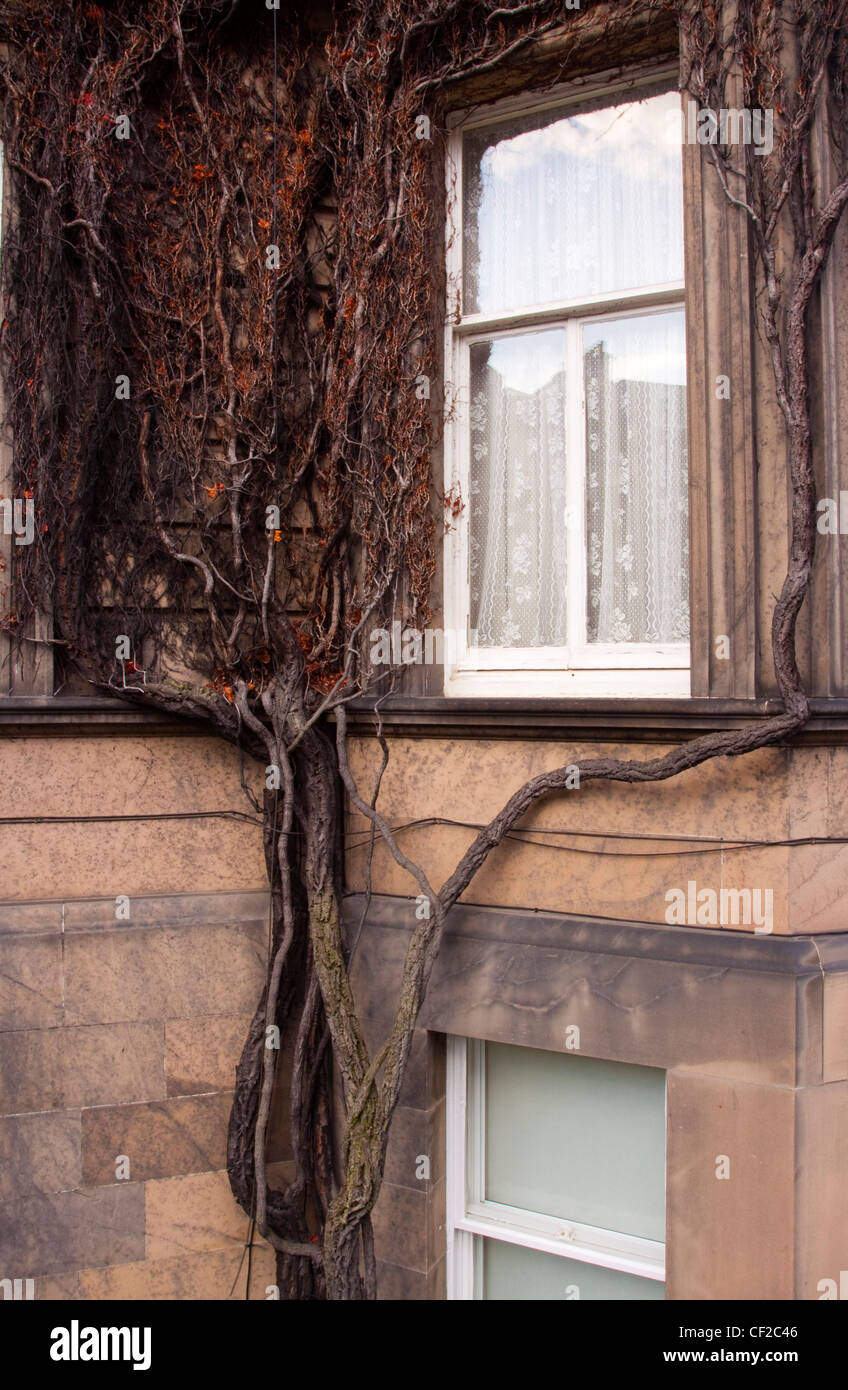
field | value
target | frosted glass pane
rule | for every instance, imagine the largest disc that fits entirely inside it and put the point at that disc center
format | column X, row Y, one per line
column 517, row 517
column 514, row 1272
column 562, row 206
column 577, row 1138
column 637, row 507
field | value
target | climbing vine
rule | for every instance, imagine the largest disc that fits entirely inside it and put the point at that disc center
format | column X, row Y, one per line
column 221, row 286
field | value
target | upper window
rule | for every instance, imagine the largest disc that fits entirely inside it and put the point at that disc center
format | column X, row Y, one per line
column 567, row 565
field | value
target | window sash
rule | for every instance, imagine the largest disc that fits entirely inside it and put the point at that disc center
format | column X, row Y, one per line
column 658, row 669
column 579, row 654
column 585, row 1244
column 470, row 1214
column 555, row 313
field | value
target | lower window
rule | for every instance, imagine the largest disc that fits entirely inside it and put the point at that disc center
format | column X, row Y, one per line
column 556, row 1175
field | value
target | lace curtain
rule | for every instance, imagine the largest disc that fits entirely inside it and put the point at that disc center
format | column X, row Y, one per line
column 559, row 206
column 517, row 535
column 635, row 485
column 637, row 512
column 570, row 207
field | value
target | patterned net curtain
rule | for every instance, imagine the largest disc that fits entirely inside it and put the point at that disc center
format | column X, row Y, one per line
column 559, row 207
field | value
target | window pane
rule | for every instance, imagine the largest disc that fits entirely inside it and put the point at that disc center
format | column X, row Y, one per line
column 637, row 511
column 576, row 1138
column 517, row 519
column 561, row 207
column 513, row 1272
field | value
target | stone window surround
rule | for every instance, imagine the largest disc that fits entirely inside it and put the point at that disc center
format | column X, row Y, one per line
column 750, row 1031
column 722, row 450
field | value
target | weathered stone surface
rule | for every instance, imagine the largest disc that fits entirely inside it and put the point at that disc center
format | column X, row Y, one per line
column 191, row 1214
column 821, row 1242
column 30, row 981
column 39, row 1153
column 437, row 1139
column 202, row 1054
column 58, row 1288
column 400, row 1227
column 730, row 1238
column 468, row 777
column 408, row 1140
column 36, row 918
column 170, row 909
column 437, row 1281
column 816, row 888
column 398, row 1285
column 168, row 972
column 118, row 777
column 835, row 1024
column 160, row 1139
column 48, row 1233
column 133, row 857
column 62, row 1068
column 723, row 1002
column 772, row 795
column 215, row 1275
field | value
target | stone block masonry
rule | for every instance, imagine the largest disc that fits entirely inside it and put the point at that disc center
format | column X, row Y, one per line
column 119, row 1041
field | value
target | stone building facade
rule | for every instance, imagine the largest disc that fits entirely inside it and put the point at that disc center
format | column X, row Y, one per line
column 721, row 1045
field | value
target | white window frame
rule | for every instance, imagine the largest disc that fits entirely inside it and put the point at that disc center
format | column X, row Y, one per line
column 601, row 669
column 470, row 1214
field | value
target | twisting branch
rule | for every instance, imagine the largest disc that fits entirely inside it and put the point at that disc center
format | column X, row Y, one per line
column 212, row 331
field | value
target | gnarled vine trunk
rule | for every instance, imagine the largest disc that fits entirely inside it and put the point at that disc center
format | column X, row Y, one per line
column 257, row 262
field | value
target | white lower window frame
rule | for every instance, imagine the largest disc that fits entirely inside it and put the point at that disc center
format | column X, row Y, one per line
column 470, row 1214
